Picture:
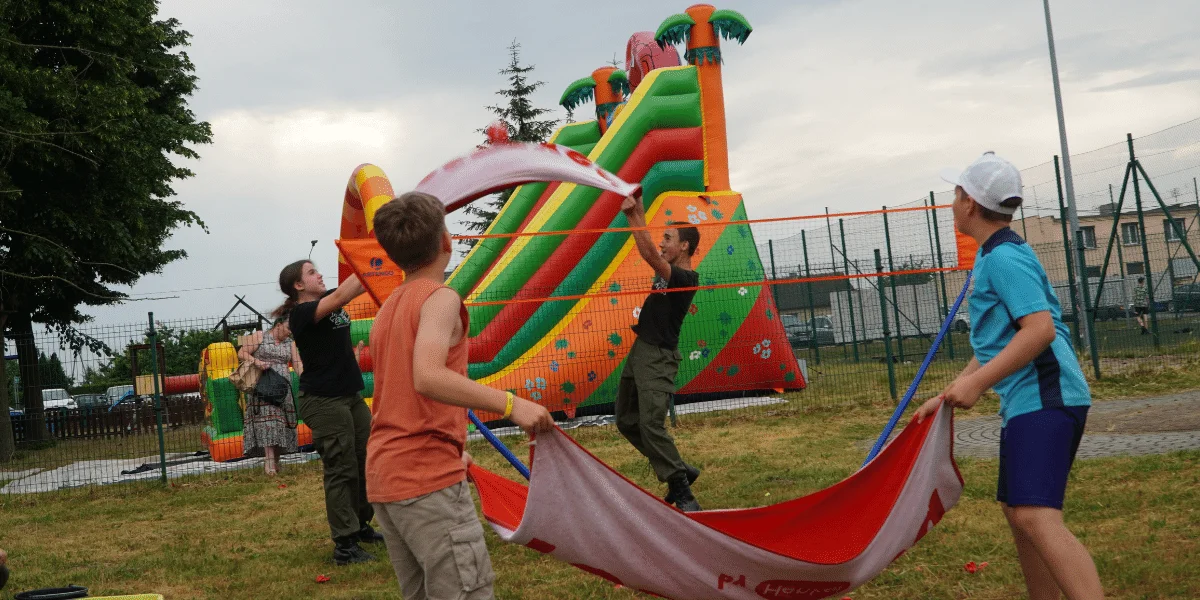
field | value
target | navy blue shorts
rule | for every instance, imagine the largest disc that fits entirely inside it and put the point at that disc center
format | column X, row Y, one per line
column 1036, row 452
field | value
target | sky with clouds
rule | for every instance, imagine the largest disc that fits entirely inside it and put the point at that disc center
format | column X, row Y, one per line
column 846, row 104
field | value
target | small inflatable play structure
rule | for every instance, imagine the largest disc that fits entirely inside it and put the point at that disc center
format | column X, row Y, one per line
column 225, row 405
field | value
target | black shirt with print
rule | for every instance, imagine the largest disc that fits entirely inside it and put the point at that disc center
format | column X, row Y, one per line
column 662, row 312
column 326, row 351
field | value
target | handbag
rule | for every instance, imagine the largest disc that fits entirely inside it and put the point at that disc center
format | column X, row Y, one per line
column 246, row 376
column 272, row 388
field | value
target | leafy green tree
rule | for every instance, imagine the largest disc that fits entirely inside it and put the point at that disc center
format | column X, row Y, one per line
column 93, row 115
column 525, row 124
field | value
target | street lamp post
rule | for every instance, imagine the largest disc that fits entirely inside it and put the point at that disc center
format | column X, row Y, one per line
column 1068, row 180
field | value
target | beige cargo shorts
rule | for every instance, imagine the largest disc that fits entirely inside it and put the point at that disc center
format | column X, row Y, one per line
column 441, row 531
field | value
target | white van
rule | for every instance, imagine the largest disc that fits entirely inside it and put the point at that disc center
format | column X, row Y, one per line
column 57, row 398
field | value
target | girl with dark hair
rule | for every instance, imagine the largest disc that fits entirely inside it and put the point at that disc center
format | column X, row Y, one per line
column 329, row 401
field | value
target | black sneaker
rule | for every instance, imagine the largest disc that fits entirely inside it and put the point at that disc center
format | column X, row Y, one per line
column 681, row 492
column 368, row 535
column 692, row 475
column 350, row 553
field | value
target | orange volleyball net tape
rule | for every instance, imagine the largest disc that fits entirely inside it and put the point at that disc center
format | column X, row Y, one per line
column 380, row 275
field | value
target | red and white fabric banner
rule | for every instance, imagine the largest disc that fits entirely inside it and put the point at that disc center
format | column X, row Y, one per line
column 505, row 165
column 581, row 511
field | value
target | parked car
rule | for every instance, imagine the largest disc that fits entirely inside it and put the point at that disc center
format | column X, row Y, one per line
column 130, row 401
column 791, row 324
column 962, row 321
column 115, row 393
column 91, row 401
column 801, row 333
column 1111, row 312
column 57, row 398
column 1186, row 297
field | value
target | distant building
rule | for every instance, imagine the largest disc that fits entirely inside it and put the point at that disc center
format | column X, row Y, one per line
column 1167, row 255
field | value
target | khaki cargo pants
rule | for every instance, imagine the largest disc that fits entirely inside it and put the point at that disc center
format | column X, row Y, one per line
column 643, row 400
column 435, row 543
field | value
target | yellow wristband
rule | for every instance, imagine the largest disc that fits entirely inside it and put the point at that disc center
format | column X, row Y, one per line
column 508, row 404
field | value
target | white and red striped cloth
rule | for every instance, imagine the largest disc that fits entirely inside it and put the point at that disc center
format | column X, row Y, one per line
column 581, row 511
column 505, row 165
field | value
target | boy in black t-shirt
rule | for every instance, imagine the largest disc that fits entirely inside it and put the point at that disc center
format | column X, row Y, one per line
column 329, row 401
column 648, row 380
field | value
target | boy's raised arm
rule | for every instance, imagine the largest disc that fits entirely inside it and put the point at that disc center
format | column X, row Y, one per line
column 438, row 330
column 632, row 207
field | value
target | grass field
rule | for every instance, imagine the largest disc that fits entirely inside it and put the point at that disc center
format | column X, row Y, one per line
column 240, row 535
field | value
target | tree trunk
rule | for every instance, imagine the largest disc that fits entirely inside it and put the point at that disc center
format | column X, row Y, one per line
column 8, row 445
column 31, row 381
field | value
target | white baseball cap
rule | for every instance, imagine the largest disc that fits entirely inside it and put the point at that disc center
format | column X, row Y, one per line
column 989, row 181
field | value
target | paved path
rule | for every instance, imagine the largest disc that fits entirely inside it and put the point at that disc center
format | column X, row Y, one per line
column 980, row 437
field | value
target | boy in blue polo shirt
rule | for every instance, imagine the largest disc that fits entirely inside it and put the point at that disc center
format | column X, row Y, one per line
column 1023, row 351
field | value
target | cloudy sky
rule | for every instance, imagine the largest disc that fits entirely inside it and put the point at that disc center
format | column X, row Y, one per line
column 848, row 104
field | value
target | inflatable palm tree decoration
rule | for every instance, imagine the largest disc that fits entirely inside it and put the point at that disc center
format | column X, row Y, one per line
column 609, row 86
column 701, row 27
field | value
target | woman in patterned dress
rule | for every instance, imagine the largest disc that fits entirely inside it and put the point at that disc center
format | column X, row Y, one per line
column 266, row 426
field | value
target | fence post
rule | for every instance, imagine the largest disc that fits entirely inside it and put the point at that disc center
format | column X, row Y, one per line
column 154, row 374
column 937, row 239
column 1088, row 306
column 774, row 288
column 1170, row 262
column 812, row 308
column 916, row 305
column 850, row 294
column 1147, row 269
column 887, row 337
column 887, row 235
column 1120, row 243
column 833, row 269
column 841, row 324
column 1062, row 213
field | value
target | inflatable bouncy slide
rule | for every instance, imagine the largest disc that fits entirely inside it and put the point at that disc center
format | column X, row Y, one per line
column 554, row 284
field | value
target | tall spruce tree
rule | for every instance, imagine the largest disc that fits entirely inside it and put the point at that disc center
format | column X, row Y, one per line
column 525, row 124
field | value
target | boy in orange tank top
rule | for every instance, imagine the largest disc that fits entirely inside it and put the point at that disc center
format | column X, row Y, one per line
column 416, row 460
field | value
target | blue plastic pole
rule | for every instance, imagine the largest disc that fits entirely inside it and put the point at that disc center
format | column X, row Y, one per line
column 912, row 388
column 499, row 446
